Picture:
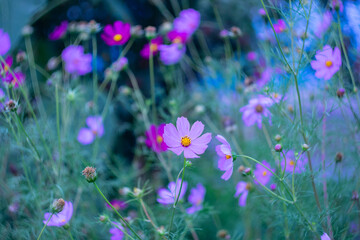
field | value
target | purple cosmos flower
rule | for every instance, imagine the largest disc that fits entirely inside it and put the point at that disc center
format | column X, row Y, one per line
column 196, row 198
column 243, row 189
column 5, row 43
column 117, row 231
column 171, row 54
column 96, row 129
column 251, row 56
column 225, row 162
column 327, row 63
column 59, row 31
column 279, row 26
column 120, row 64
column 265, row 77
column 76, row 62
column 153, row 46
column 325, row 237
column 182, row 138
column 262, row 174
column 154, row 138
column 169, row 196
column 276, row 97
column 290, row 163
column 262, row 12
column 117, row 204
column 187, row 22
column 322, row 24
column 177, row 37
column 15, row 80
column 118, row 34
column 255, row 110
column 273, row 187
column 61, row 218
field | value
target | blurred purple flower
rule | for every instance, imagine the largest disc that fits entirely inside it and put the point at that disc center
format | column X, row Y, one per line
column 6, row 66
column 325, row 237
column 243, row 189
column 153, row 46
column 337, row 4
column 61, row 218
column 177, row 37
column 265, row 77
column 262, row 12
column 171, row 54
column 120, row 64
column 262, row 174
column 76, row 62
column 322, row 24
column 59, row 31
column 196, row 198
column 327, row 62
column 96, row 129
column 290, row 163
column 117, row 231
column 118, row 34
column 5, row 43
column 255, row 110
column 169, row 196
column 155, row 139
column 183, row 139
column 279, row 26
column 187, row 21
column 225, row 162
column 251, row 56
column 117, row 204
column 15, row 80
column 276, row 97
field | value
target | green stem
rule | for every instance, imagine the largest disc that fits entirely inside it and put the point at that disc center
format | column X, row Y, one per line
column 252, row 159
column 95, row 76
column 122, row 219
column 71, row 237
column 274, row 194
column 283, row 174
column 58, row 124
column 45, row 226
column 152, row 83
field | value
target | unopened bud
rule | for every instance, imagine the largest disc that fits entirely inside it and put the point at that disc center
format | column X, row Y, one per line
column 103, row 218
column 278, row 148
column 340, row 92
column 90, row 174
column 247, row 171
column 278, row 138
column 223, row 234
column 355, row 196
column 236, row 31
column 241, row 169
column 188, row 163
column 21, row 56
column 137, row 31
column 273, row 187
column 161, row 230
column 290, row 108
column 124, row 191
column 137, row 192
column 58, row 205
column 11, row 106
column 150, row 32
column 305, row 147
column 27, row 30
column 339, row 157
column 94, row 27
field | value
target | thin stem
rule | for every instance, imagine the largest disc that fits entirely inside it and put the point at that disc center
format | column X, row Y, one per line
column 152, row 83
column 95, row 76
column 71, row 237
column 122, row 219
column 45, row 226
column 252, row 159
column 147, row 214
column 58, row 124
column 283, row 174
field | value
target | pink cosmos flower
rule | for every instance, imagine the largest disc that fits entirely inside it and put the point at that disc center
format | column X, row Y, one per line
column 256, row 110
column 183, row 139
column 325, row 237
column 118, row 34
column 117, row 204
column 155, row 139
column 323, row 24
column 96, row 129
column 327, row 62
column 59, row 31
column 279, row 26
column 5, row 43
column 262, row 174
column 177, row 37
column 117, row 231
column 76, row 62
column 61, row 218
column 153, row 46
column 187, row 22
column 243, row 189
column 225, row 162
column 169, row 196
column 171, row 54
column 196, row 198
column 290, row 163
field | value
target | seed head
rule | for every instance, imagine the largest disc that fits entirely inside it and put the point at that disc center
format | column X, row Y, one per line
column 340, row 92
column 58, row 205
column 90, row 174
column 339, row 157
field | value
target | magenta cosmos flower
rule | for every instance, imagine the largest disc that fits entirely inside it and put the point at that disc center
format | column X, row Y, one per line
column 118, row 34
column 61, row 218
column 242, row 188
column 290, row 163
column 4, row 68
column 327, row 63
column 59, row 31
column 325, row 237
column 171, row 54
column 225, row 162
column 153, row 46
column 177, row 37
column 187, row 22
column 169, row 196
column 117, row 231
column 117, row 204
column 95, row 129
column 196, row 198
column 5, row 43
column 76, row 62
column 155, row 139
column 14, row 80
column 183, row 139
column 279, row 26
column 262, row 174
column 256, row 110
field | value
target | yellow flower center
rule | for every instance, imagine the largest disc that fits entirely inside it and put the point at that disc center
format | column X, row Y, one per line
column 14, row 81
column 177, row 40
column 276, row 95
column 6, row 68
column 63, row 220
column 185, row 141
column 117, row 37
column 159, row 139
column 227, row 156
column 94, row 132
column 264, row 173
column 328, row 63
column 153, row 47
column 292, row 163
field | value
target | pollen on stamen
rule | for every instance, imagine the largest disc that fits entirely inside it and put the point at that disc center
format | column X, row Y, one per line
column 228, row 156
column 117, row 37
column 159, row 139
column 264, row 173
column 292, row 163
column 185, row 141
column 328, row 63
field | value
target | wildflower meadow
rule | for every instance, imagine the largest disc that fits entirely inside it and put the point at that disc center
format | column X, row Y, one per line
column 178, row 119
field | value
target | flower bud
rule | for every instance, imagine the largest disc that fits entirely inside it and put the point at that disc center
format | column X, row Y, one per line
column 241, row 169
column 305, row 147
column 94, row 27
column 340, row 92
column 165, row 27
column 52, row 63
column 137, row 192
column 188, row 163
column 355, row 196
column 58, row 205
column 223, row 234
column 273, row 187
column 262, row 12
column 247, row 171
column 21, row 56
column 124, row 191
column 150, row 32
column 90, row 174
column 290, row 108
column 137, row 31
column 11, row 106
column 277, row 138
column 161, row 230
column 236, row 31
column 27, row 30
column 278, row 148
column 103, row 218
column 339, row 157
